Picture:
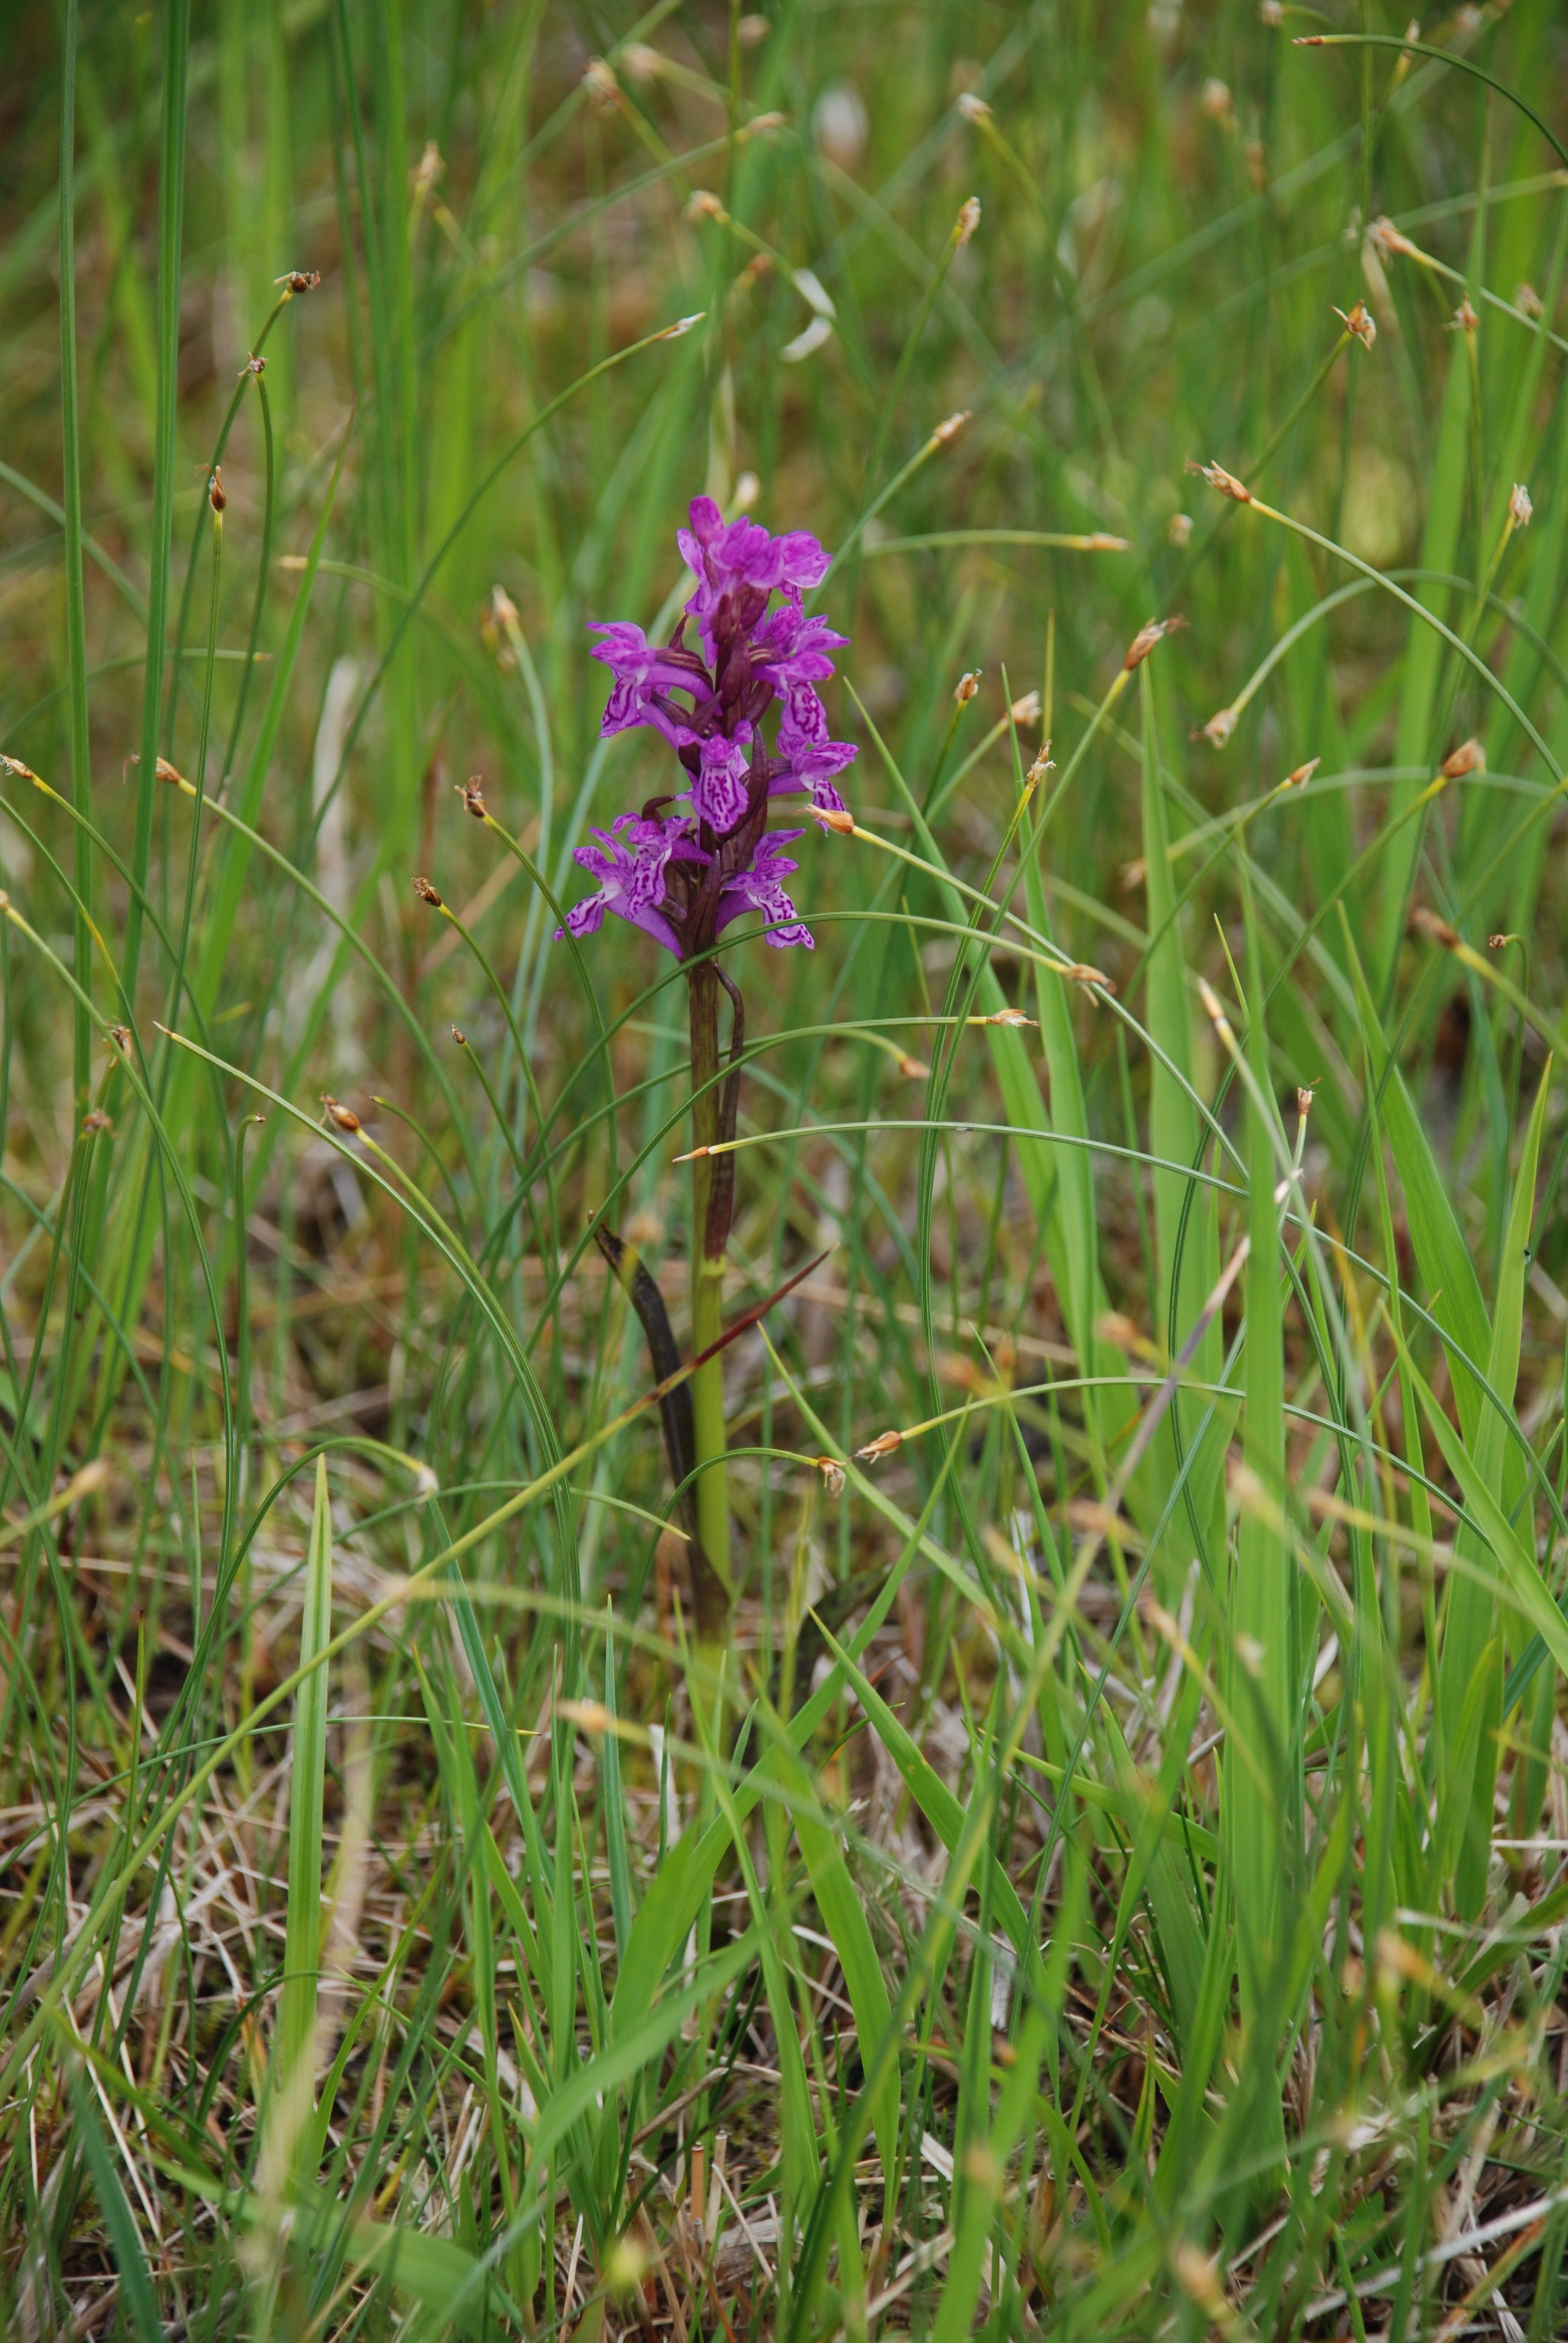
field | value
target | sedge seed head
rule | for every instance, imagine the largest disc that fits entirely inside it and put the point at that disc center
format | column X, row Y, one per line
column 1360, row 322
column 1218, row 478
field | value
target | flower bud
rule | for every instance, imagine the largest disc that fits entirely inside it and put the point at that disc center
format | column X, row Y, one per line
column 343, row 1116
column 426, row 893
column 948, row 430
column 1519, row 508
column 967, row 686
column 973, row 106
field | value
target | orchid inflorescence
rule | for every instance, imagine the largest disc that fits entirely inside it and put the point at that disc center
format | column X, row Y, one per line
column 683, row 875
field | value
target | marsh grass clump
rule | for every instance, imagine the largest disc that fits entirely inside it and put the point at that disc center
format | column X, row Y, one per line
column 1041, row 1807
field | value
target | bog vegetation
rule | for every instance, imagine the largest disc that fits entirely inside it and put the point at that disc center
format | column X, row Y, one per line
column 1040, row 1804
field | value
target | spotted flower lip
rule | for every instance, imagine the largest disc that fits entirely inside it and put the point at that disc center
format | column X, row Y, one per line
column 684, row 876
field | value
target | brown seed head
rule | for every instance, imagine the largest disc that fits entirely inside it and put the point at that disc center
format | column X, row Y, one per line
column 832, row 1474
column 883, row 1446
column 837, row 818
column 1360, row 322
column 914, row 1070
column 1144, row 640
column 460, row 1038
column 22, row 772
column 1301, row 775
column 703, row 204
column 948, row 430
column 120, row 1035
column 1469, row 757
column 1007, row 1017
column 162, row 768
column 1026, row 710
column 96, row 1121
column 217, row 494
column 426, row 893
column 1220, row 727
column 602, row 87
column 1079, row 971
column 1529, row 300
column 1464, row 319
column 300, row 280
column 1218, row 478
column 1427, row 923
column 1304, row 1104
column 1390, row 239
column 1519, row 508
column 253, row 364
column 343, row 1116
column 1499, row 942
column 967, row 219
column 967, row 686
column 472, row 793
column 503, row 609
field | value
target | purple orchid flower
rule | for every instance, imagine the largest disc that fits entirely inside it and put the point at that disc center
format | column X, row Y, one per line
column 758, row 888
column 683, row 877
column 631, row 866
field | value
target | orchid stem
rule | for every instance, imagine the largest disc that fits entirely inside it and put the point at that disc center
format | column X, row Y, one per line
column 713, row 1588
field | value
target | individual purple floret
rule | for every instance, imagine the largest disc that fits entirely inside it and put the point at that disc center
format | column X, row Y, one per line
column 758, row 888
column 683, row 876
column 632, row 868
